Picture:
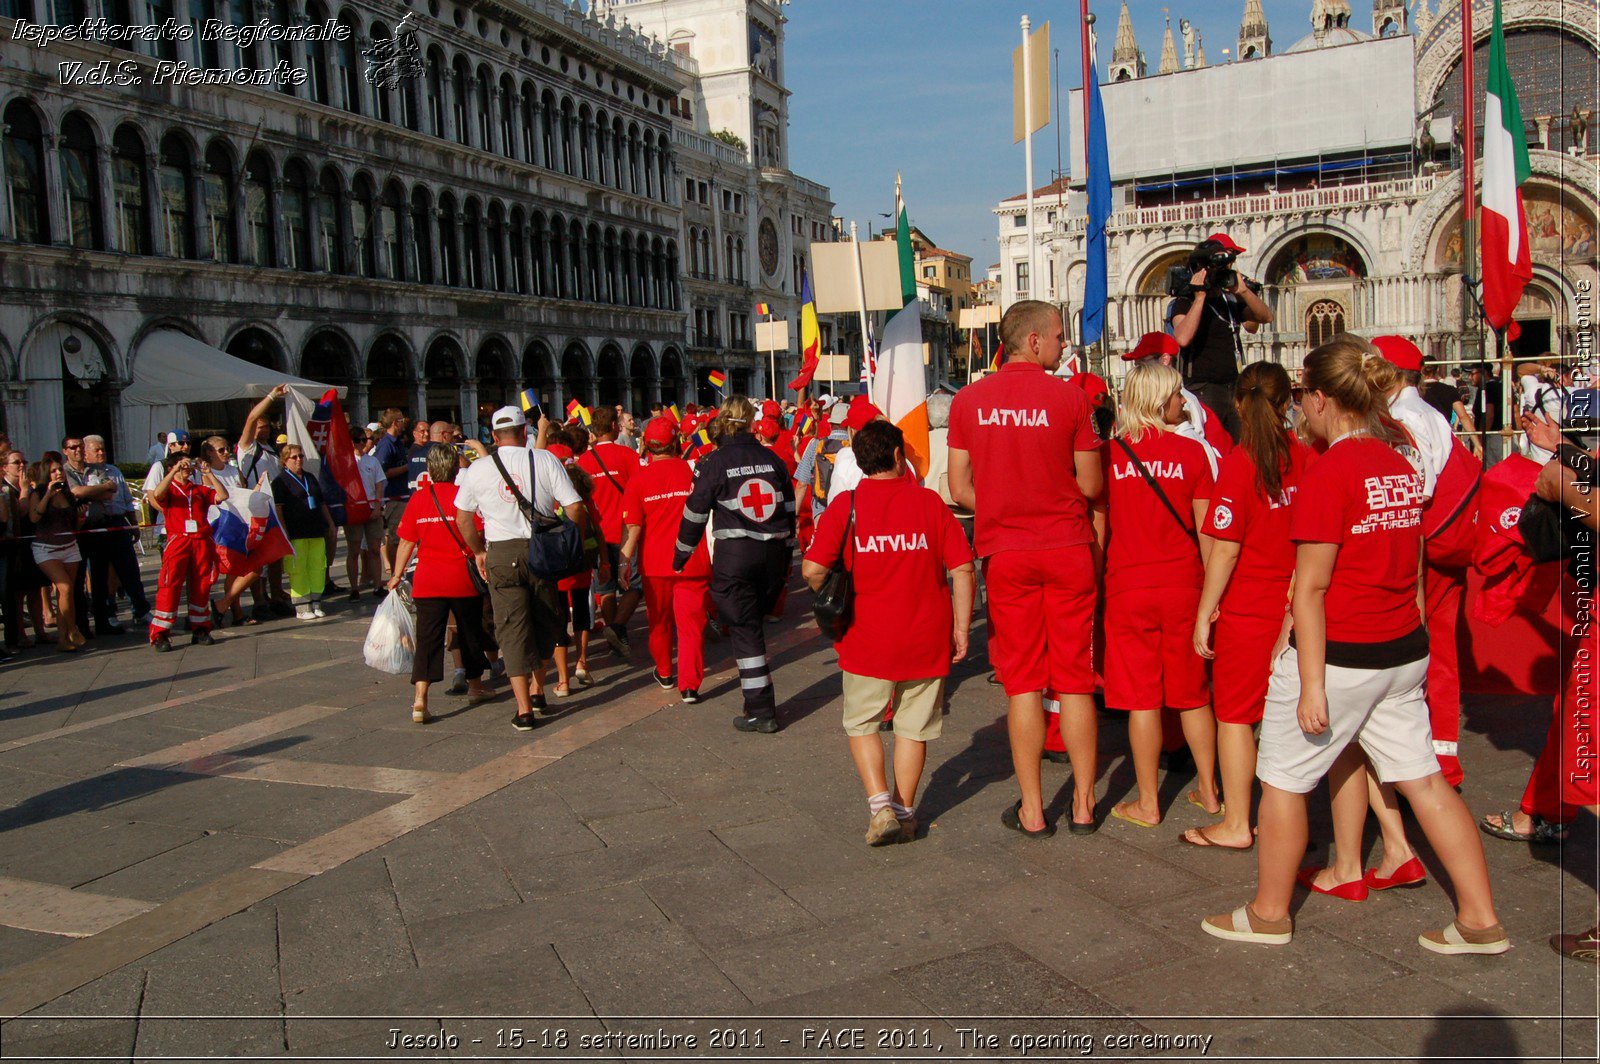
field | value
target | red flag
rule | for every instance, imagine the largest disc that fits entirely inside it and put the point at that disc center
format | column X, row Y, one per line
column 330, row 431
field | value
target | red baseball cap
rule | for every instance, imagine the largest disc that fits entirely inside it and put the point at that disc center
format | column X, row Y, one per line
column 1093, row 386
column 1224, row 241
column 766, row 428
column 862, row 414
column 1399, row 351
column 659, row 430
column 1152, row 345
column 561, row 451
column 770, row 408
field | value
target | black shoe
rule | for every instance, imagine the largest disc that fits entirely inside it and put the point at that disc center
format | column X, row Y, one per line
column 993, row 680
column 202, row 638
column 764, row 725
column 886, row 725
column 331, row 588
column 538, row 703
column 1011, row 818
column 524, row 722
column 217, row 618
column 161, row 644
column 1057, row 757
column 663, row 682
column 280, row 609
column 109, row 628
column 691, row 696
column 355, row 594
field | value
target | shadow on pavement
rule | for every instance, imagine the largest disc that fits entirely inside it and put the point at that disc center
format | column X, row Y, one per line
column 90, row 697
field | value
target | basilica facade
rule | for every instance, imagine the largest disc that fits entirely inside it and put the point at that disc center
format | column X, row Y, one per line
column 1337, row 164
column 512, row 211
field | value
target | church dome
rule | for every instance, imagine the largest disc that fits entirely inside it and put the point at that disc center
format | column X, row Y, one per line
column 1329, row 39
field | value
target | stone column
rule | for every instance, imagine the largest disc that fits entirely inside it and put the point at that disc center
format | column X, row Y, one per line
column 517, row 148
column 275, row 221
column 155, row 211
column 458, row 247
column 203, row 248
column 419, row 399
column 56, row 220
column 109, row 215
column 508, row 276
column 319, row 261
column 447, row 104
column 359, row 395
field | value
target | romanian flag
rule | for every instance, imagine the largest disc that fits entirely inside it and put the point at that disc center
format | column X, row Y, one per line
column 808, row 425
column 702, row 438
column 717, row 379
column 672, row 412
column 764, row 310
column 530, row 400
column 577, row 411
column 810, row 337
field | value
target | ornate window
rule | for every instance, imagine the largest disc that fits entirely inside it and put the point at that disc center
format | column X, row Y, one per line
column 422, row 234
column 127, row 185
column 363, row 220
column 349, row 64
column 330, row 220
column 258, row 220
column 218, row 182
column 1324, row 321
column 30, row 217
column 177, row 204
column 296, row 215
column 80, row 183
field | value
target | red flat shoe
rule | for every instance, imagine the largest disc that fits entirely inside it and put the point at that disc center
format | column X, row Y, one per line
column 1355, row 890
column 1410, row 874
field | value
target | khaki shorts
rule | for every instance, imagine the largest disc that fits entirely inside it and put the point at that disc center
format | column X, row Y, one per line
column 365, row 535
column 918, row 706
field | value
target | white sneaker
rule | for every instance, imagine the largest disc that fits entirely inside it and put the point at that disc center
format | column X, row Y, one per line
column 316, row 610
column 303, row 613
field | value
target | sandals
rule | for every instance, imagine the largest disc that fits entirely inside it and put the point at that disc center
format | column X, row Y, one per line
column 419, row 713
column 1194, row 800
column 1544, row 833
column 581, row 674
column 1012, row 819
column 1242, row 925
column 1198, row 837
column 561, row 690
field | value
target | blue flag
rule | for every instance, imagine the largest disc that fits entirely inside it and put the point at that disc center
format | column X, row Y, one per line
column 1098, row 179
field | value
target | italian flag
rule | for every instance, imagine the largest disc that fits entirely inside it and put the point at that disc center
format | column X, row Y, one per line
column 1507, row 263
column 899, row 387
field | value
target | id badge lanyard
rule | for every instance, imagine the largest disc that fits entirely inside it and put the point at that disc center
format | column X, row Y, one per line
column 191, row 525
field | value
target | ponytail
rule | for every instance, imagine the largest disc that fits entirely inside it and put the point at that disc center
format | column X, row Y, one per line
column 1354, row 374
column 1262, row 396
column 737, row 414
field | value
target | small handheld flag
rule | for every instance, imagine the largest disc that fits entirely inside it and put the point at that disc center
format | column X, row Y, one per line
column 672, row 412
column 576, row 410
column 530, row 400
column 999, row 357
column 808, row 425
column 702, row 438
column 717, row 379
column 764, row 310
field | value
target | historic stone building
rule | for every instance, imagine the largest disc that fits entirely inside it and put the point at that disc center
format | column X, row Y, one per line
column 1337, row 165
column 512, row 216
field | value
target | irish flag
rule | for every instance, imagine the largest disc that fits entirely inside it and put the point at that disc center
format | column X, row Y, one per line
column 899, row 387
column 1507, row 263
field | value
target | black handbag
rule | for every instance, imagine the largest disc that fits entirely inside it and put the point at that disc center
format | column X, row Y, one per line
column 1155, row 486
column 479, row 584
column 555, row 549
column 834, row 603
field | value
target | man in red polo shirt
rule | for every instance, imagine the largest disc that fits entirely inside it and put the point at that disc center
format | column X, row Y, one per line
column 610, row 466
column 1025, row 460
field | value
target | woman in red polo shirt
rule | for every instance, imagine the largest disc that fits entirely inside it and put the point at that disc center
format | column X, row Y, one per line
column 1244, row 605
column 1352, row 677
column 1158, row 484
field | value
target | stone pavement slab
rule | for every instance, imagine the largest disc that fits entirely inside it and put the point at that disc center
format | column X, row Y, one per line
column 636, row 856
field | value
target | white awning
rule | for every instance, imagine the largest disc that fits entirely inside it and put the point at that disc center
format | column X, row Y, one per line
column 172, row 368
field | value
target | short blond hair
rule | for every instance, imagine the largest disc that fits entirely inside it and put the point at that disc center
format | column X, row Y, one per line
column 1145, row 392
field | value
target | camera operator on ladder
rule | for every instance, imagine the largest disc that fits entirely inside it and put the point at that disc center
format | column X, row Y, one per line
column 1212, row 303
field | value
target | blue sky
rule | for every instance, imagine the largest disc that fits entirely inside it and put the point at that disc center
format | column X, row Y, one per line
column 924, row 87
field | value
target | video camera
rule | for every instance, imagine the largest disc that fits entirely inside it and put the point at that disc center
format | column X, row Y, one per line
column 1218, row 264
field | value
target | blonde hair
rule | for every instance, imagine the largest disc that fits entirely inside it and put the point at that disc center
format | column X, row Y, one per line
column 735, row 415
column 1145, row 392
column 1351, row 372
column 291, row 449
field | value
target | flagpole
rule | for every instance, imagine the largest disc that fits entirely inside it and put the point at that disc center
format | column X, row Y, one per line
column 1027, row 152
column 1471, row 339
column 861, row 306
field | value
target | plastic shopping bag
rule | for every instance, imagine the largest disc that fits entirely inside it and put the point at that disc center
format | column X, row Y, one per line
column 392, row 638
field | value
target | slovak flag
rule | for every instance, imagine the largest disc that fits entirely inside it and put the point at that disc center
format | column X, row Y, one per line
column 330, row 431
column 247, row 531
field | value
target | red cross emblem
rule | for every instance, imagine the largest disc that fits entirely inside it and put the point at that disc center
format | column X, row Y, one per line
column 756, row 500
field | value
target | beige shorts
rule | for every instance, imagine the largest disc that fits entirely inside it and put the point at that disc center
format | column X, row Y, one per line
column 365, row 535
column 918, row 706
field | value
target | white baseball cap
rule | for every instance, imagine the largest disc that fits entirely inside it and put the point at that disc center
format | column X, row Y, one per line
column 373, row 426
column 508, row 417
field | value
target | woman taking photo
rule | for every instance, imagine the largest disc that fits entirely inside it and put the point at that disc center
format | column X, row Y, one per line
column 55, row 544
column 442, row 586
column 1244, row 604
column 1157, row 489
column 306, row 521
column 1352, row 677
column 24, row 583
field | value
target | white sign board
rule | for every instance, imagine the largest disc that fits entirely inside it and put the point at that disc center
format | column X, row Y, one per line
column 772, row 335
column 833, row 276
column 978, row 317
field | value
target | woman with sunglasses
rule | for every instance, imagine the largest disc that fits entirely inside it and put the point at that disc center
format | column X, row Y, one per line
column 306, row 521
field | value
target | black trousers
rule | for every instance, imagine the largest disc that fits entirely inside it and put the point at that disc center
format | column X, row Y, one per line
column 112, row 551
column 433, row 615
column 1219, row 397
column 746, row 579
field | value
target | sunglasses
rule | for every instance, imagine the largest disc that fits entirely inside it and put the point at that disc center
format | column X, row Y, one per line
column 74, row 446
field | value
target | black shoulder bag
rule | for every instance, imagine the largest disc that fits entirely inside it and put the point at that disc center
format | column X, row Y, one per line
column 1155, row 486
column 479, row 584
column 555, row 547
column 834, row 603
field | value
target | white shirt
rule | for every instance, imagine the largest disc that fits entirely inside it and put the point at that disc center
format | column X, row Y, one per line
column 1195, row 427
column 483, row 491
column 265, row 466
column 846, row 473
column 371, row 474
column 1429, row 430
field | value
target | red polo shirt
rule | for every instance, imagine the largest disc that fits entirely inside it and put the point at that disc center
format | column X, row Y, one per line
column 654, row 501
column 1241, row 513
column 1147, row 548
column 622, row 464
column 1021, row 426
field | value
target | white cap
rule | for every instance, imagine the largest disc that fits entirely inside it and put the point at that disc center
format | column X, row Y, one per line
column 838, row 412
column 373, row 426
column 508, row 417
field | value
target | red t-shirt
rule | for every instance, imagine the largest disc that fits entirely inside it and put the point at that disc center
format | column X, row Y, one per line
column 654, row 501
column 1363, row 495
column 441, row 563
column 622, row 464
column 1241, row 513
column 187, row 501
column 1021, row 427
column 905, row 538
column 1145, row 547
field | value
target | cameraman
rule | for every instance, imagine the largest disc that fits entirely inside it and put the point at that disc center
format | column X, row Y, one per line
column 1206, row 319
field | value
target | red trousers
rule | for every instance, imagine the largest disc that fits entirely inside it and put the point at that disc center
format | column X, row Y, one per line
column 1445, row 592
column 1564, row 777
column 677, row 608
column 189, row 562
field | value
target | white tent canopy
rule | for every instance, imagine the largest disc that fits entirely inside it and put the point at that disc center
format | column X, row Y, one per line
column 172, row 369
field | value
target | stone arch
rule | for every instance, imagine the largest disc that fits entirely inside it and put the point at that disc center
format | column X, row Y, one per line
column 391, row 372
column 539, row 373
column 259, row 344
column 444, row 368
column 1284, row 243
column 1148, row 276
column 643, row 380
column 328, row 356
column 1312, row 253
column 577, row 371
column 494, row 369
column 1439, row 50
column 611, row 375
column 71, row 367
